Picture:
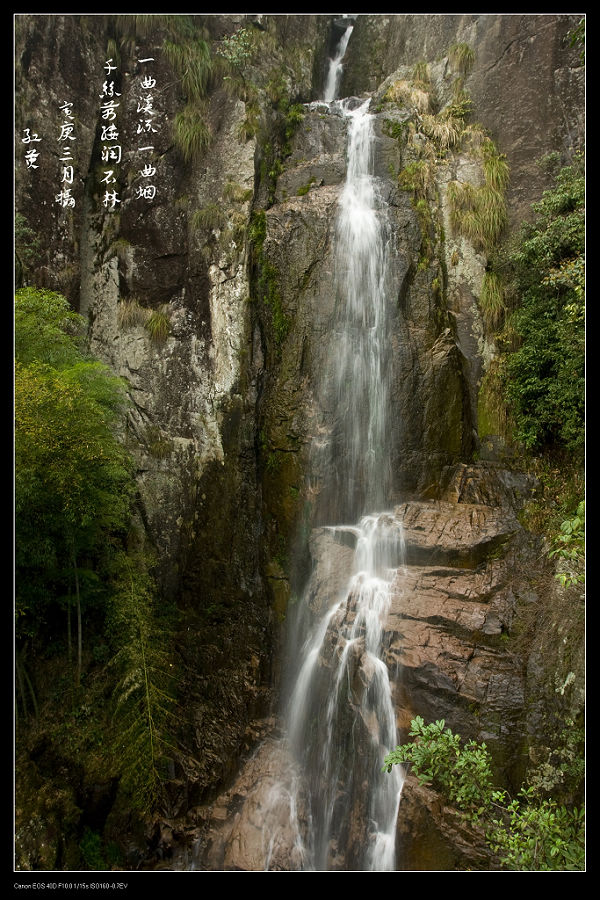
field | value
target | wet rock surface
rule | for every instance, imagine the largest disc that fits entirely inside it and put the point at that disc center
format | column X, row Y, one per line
column 454, row 601
column 526, row 82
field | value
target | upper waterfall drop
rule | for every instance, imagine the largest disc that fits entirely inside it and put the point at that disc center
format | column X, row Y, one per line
column 334, row 72
column 354, row 460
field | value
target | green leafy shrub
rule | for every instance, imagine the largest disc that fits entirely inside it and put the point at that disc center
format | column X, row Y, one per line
column 238, row 50
column 46, row 329
column 538, row 837
column 545, row 374
column 73, row 479
column 528, row 833
column 90, row 848
column 438, row 758
column 570, row 545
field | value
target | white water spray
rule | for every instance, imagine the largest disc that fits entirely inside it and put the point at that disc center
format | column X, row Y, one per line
column 341, row 719
column 334, row 72
column 360, row 448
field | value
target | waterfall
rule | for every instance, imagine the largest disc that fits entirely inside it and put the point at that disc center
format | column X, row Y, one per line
column 342, row 720
column 359, row 449
column 340, row 713
column 334, row 72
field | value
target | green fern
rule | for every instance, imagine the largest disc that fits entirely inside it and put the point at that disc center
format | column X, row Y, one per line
column 144, row 700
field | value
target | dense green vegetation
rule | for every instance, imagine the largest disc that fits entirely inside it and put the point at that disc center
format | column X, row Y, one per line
column 533, row 300
column 531, row 832
column 544, row 369
column 86, row 605
column 533, row 393
column 532, row 296
column 532, row 304
column 73, row 480
column 569, row 545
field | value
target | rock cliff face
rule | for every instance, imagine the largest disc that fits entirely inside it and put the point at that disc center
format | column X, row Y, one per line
column 234, row 256
column 526, row 81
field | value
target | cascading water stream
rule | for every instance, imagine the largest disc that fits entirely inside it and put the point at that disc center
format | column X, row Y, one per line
column 341, row 719
column 359, row 449
column 334, row 72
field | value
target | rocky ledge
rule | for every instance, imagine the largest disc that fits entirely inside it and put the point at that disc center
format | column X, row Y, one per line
column 456, row 596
